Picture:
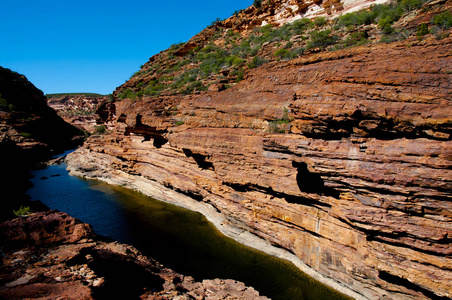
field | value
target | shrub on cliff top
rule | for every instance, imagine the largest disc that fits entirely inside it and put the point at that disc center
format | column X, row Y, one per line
column 257, row 3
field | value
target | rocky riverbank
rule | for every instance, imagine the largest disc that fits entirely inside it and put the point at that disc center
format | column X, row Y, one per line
column 50, row 255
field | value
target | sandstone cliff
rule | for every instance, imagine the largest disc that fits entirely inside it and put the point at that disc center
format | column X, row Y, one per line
column 79, row 110
column 51, row 255
column 338, row 161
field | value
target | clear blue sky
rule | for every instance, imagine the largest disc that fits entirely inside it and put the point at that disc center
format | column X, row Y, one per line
column 94, row 46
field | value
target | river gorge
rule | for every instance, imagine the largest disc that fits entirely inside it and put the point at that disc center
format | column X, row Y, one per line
column 181, row 239
column 324, row 142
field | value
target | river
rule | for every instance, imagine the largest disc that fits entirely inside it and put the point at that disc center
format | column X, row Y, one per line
column 178, row 238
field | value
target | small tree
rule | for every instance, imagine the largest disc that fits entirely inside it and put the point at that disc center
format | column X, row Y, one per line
column 422, row 30
column 22, row 211
column 257, row 3
column 101, row 129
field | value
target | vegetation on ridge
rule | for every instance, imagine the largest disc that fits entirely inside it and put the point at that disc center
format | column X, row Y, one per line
column 220, row 55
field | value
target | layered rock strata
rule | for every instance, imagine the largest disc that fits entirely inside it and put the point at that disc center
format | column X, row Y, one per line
column 279, row 12
column 79, row 110
column 338, row 161
column 51, row 255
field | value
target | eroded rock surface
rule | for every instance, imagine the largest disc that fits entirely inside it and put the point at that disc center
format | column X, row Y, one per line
column 79, row 110
column 51, row 255
column 342, row 159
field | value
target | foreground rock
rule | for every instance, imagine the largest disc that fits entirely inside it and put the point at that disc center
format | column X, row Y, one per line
column 51, row 255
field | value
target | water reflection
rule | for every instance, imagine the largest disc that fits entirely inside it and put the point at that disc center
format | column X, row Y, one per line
column 180, row 239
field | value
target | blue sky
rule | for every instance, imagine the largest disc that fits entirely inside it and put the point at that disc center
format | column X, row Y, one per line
column 95, row 46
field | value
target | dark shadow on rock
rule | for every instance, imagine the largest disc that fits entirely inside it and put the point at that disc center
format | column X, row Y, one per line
column 407, row 284
column 147, row 132
column 200, row 159
column 310, row 182
column 124, row 278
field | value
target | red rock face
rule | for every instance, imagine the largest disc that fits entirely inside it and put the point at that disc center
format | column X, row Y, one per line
column 78, row 110
column 341, row 158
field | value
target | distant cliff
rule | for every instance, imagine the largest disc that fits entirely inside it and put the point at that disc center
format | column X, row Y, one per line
column 30, row 131
column 80, row 110
column 327, row 143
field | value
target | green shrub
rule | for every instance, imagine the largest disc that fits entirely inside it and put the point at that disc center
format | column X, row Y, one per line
column 257, row 3
column 276, row 127
column 195, row 86
column 154, row 88
column 281, row 52
column 175, row 47
column 128, row 93
column 387, row 15
column 321, row 39
column 364, row 17
column 256, row 62
column 320, row 21
column 26, row 135
column 214, row 22
column 178, row 123
column 236, row 61
column 409, row 5
column 5, row 105
column 300, row 26
column 239, row 73
column 355, row 39
column 100, row 129
column 284, row 54
column 389, row 38
column 134, row 74
column 385, row 26
column 443, row 20
column 422, row 29
column 285, row 118
column 22, row 211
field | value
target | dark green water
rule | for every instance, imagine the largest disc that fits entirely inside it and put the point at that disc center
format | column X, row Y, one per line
column 180, row 239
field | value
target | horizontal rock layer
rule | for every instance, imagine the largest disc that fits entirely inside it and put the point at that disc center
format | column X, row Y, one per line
column 342, row 159
column 79, row 110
